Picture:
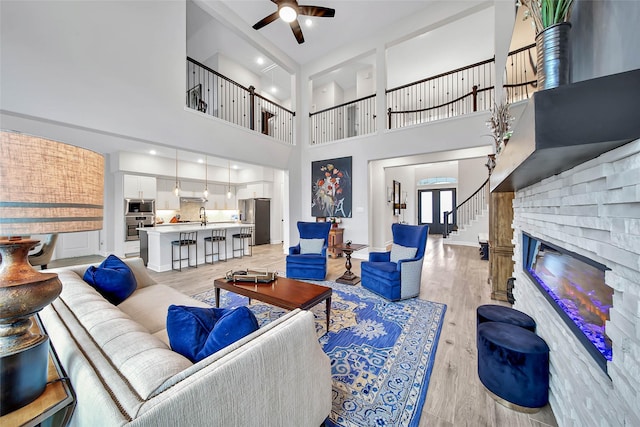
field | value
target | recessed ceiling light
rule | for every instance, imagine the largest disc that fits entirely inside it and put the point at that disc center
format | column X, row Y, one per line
column 308, row 22
column 152, row 152
column 260, row 60
column 200, row 161
column 274, row 89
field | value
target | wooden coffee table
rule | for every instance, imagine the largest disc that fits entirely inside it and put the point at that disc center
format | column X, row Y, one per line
column 282, row 292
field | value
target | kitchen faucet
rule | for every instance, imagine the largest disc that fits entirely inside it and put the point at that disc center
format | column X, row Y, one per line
column 203, row 216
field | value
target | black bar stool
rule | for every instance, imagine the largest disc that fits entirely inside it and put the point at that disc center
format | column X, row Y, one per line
column 245, row 233
column 217, row 236
column 187, row 239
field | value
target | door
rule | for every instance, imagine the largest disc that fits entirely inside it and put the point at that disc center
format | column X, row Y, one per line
column 432, row 204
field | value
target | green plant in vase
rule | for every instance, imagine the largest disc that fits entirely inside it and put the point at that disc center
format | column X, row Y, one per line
column 546, row 13
column 551, row 23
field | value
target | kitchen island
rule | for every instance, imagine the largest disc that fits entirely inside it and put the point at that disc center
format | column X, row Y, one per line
column 155, row 242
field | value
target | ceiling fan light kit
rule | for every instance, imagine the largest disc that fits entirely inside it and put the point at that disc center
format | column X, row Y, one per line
column 288, row 11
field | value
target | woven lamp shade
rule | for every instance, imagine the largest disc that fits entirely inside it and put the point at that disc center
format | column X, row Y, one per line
column 45, row 187
column 48, row 187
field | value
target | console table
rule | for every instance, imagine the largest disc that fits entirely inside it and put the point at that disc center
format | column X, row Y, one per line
column 55, row 405
column 335, row 239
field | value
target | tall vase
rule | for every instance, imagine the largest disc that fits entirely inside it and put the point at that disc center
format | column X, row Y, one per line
column 554, row 61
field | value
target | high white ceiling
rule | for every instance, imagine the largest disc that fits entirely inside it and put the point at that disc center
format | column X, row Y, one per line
column 224, row 27
column 354, row 20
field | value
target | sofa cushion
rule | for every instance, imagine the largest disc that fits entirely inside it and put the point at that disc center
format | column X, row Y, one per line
column 189, row 327
column 112, row 278
column 232, row 326
column 154, row 316
column 399, row 252
column 311, row 246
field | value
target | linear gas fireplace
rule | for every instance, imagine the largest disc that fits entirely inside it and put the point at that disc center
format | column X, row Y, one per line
column 576, row 288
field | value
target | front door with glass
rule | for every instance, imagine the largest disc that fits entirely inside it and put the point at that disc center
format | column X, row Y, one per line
column 432, row 204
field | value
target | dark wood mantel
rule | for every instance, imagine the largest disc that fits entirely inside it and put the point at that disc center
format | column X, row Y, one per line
column 563, row 127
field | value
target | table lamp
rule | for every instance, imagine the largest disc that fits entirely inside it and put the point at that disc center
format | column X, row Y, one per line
column 45, row 187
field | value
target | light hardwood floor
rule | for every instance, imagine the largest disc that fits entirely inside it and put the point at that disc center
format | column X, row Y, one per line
column 453, row 275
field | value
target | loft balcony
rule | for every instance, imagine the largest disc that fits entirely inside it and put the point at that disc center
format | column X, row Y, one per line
column 454, row 93
column 216, row 95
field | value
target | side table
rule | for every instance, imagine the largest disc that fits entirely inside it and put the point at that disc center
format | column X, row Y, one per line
column 55, row 405
column 348, row 278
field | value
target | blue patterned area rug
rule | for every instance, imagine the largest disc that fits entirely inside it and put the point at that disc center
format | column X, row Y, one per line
column 381, row 352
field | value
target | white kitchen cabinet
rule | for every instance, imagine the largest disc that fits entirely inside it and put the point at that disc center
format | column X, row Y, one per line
column 139, row 187
column 132, row 247
column 166, row 200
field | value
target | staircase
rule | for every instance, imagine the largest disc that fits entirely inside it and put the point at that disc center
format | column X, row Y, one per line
column 471, row 218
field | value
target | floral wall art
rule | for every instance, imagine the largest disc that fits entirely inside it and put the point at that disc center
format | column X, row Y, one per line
column 331, row 188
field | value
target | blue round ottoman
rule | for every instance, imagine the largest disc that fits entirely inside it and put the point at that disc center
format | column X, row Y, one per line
column 513, row 364
column 502, row 314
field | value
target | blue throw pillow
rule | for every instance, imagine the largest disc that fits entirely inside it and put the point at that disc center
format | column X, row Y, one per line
column 231, row 327
column 113, row 279
column 189, row 327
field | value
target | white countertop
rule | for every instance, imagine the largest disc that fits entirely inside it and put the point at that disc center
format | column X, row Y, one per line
column 191, row 226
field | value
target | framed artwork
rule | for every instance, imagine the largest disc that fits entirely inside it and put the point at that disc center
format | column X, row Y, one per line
column 396, row 197
column 331, row 190
column 194, row 97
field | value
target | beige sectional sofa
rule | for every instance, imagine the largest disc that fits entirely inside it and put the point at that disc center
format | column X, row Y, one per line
column 124, row 372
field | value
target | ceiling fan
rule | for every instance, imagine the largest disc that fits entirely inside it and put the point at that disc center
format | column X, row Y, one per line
column 289, row 10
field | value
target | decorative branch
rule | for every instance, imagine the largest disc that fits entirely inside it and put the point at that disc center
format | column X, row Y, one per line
column 500, row 125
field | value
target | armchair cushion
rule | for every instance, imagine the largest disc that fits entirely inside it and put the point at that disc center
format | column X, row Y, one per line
column 399, row 252
column 113, row 279
column 379, row 256
column 311, row 246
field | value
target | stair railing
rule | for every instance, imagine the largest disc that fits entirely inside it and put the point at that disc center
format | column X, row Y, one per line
column 353, row 118
column 217, row 95
column 468, row 210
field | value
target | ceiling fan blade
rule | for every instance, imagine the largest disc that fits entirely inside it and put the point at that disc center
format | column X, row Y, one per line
column 297, row 31
column 266, row 20
column 317, row 11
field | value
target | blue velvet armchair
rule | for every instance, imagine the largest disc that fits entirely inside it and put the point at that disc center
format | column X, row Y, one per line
column 308, row 259
column 396, row 275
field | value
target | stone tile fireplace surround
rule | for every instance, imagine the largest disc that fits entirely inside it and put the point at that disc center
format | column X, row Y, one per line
column 593, row 210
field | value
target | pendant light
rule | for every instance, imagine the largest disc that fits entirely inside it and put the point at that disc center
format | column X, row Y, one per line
column 176, row 190
column 205, row 193
column 229, row 192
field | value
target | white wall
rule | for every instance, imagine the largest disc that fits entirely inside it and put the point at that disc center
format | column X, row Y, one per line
column 472, row 173
column 468, row 40
column 327, row 96
column 365, row 83
column 104, row 75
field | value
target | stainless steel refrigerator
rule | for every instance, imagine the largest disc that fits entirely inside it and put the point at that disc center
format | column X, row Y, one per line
column 257, row 211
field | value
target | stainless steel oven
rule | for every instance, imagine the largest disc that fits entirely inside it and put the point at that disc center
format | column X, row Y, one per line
column 133, row 222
